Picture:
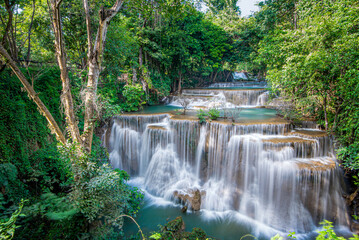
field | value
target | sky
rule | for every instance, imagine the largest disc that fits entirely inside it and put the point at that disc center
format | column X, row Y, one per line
column 247, row 7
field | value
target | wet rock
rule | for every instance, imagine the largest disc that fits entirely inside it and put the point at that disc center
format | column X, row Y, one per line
column 192, row 198
column 354, row 227
column 184, row 209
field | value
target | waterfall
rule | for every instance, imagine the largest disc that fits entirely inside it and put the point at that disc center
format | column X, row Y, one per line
column 285, row 178
column 222, row 98
column 238, row 84
column 200, row 150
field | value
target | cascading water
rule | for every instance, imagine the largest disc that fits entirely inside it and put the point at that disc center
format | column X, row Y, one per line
column 222, row 98
column 282, row 178
column 254, row 84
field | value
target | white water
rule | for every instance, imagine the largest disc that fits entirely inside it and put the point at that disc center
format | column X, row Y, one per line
column 248, row 84
column 219, row 98
column 284, row 180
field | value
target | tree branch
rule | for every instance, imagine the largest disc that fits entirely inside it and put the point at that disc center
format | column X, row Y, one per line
column 88, row 26
column 94, row 62
column 43, row 110
column 66, row 97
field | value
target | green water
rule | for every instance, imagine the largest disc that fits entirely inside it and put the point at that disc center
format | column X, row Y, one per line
column 244, row 113
column 255, row 113
column 150, row 217
column 238, row 88
column 157, row 109
column 226, row 226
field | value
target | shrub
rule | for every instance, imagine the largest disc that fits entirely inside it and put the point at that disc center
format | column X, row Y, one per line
column 133, row 95
column 213, row 113
column 202, row 116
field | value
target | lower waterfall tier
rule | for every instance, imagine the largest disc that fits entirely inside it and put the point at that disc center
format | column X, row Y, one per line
column 288, row 180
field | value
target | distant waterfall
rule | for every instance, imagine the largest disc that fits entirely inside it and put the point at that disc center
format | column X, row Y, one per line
column 222, row 98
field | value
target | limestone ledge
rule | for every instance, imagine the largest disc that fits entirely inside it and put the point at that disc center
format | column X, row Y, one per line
column 308, row 133
column 317, row 165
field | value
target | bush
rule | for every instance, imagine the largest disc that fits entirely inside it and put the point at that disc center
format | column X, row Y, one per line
column 7, row 227
column 213, row 113
column 99, row 192
column 133, row 95
column 175, row 230
column 202, row 116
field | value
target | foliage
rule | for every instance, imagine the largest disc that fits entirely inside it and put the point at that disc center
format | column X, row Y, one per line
column 311, row 53
column 175, row 230
column 133, row 95
column 326, row 233
column 213, row 113
column 350, row 156
column 53, row 207
column 7, row 229
column 99, row 192
column 110, row 95
column 32, row 167
column 21, row 132
column 202, row 116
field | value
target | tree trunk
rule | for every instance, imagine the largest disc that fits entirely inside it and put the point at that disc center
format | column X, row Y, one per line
column 140, row 62
column 215, row 76
column 9, row 21
column 325, row 112
column 140, row 57
column 228, row 76
column 43, row 110
column 29, row 34
column 179, row 82
column 88, row 28
column 134, row 76
column 94, row 63
column 295, row 16
column 8, row 35
column 66, row 96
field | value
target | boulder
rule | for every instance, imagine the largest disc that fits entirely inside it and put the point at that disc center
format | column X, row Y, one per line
column 192, row 198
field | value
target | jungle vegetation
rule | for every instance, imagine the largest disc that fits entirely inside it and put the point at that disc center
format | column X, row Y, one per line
column 80, row 62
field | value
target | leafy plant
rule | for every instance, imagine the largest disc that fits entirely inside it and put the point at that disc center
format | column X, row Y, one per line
column 202, row 116
column 99, row 192
column 213, row 113
column 328, row 232
column 7, row 229
column 133, row 95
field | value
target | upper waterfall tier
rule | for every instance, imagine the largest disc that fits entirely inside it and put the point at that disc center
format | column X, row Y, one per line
column 247, row 84
column 221, row 98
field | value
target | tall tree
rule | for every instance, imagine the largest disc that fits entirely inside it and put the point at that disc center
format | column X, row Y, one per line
column 95, row 58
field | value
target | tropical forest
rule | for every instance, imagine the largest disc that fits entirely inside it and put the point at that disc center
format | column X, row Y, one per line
column 179, row 119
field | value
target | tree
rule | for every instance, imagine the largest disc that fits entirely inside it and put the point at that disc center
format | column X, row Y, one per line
column 313, row 62
column 95, row 58
column 215, row 6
